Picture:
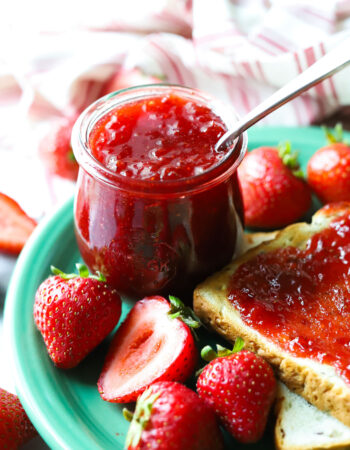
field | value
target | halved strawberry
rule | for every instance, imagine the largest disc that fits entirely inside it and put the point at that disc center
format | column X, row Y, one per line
column 153, row 344
column 15, row 225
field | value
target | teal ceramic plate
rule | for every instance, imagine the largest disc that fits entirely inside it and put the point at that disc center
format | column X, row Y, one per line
column 65, row 406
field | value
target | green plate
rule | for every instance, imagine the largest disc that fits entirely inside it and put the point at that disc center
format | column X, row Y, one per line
column 65, row 406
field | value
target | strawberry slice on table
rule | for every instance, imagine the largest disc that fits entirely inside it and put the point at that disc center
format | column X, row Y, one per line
column 328, row 170
column 15, row 225
column 169, row 415
column 154, row 343
column 74, row 313
column 274, row 191
column 15, row 427
column 240, row 386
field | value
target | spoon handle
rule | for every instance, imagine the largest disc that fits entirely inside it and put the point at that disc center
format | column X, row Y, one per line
column 326, row 66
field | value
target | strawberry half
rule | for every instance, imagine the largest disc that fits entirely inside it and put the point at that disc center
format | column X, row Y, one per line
column 15, row 225
column 15, row 427
column 169, row 415
column 240, row 386
column 74, row 313
column 153, row 344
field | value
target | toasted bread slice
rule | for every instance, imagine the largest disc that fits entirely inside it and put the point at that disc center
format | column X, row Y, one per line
column 251, row 240
column 301, row 426
column 317, row 383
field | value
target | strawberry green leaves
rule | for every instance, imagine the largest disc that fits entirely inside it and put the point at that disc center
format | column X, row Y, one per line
column 140, row 418
column 185, row 313
column 290, row 159
column 208, row 354
column 336, row 135
column 83, row 272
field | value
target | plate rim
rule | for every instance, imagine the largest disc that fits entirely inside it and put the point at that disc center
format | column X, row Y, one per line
column 36, row 415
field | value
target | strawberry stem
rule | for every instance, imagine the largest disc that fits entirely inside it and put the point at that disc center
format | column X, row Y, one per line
column 290, row 159
column 208, row 354
column 239, row 345
column 71, row 156
column 179, row 311
column 83, row 272
column 141, row 417
column 334, row 136
column 127, row 414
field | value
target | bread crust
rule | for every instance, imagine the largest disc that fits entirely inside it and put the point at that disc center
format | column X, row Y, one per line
column 279, row 432
column 213, row 308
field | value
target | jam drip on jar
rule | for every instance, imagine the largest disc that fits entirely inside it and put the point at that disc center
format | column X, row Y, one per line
column 300, row 298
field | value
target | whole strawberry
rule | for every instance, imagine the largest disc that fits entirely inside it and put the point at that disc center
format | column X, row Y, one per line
column 154, row 343
column 240, row 387
column 55, row 149
column 273, row 189
column 15, row 427
column 74, row 313
column 169, row 415
column 328, row 170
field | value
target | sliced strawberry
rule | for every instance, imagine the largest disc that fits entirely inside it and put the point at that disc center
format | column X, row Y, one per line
column 153, row 344
column 15, row 225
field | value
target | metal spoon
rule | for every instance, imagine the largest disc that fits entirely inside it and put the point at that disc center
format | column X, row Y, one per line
column 326, row 66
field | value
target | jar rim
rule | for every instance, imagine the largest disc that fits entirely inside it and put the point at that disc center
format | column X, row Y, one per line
column 104, row 105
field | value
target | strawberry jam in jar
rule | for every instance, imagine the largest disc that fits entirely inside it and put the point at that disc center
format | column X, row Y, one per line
column 157, row 208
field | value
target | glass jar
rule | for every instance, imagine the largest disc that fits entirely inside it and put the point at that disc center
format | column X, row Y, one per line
column 159, row 237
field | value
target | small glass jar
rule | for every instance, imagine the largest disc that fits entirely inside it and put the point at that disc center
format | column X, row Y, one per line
column 156, row 237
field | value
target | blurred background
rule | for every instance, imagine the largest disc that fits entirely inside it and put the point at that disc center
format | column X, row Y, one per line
column 58, row 57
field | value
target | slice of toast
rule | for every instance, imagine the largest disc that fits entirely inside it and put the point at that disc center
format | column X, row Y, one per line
column 301, row 426
column 317, row 383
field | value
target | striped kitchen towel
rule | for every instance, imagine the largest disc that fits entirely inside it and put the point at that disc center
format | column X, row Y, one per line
column 238, row 50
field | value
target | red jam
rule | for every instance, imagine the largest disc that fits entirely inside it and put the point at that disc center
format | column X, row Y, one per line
column 159, row 138
column 157, row 208
column 300, row 299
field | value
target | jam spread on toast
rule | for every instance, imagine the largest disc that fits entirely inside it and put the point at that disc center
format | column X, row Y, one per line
column 300, row 298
